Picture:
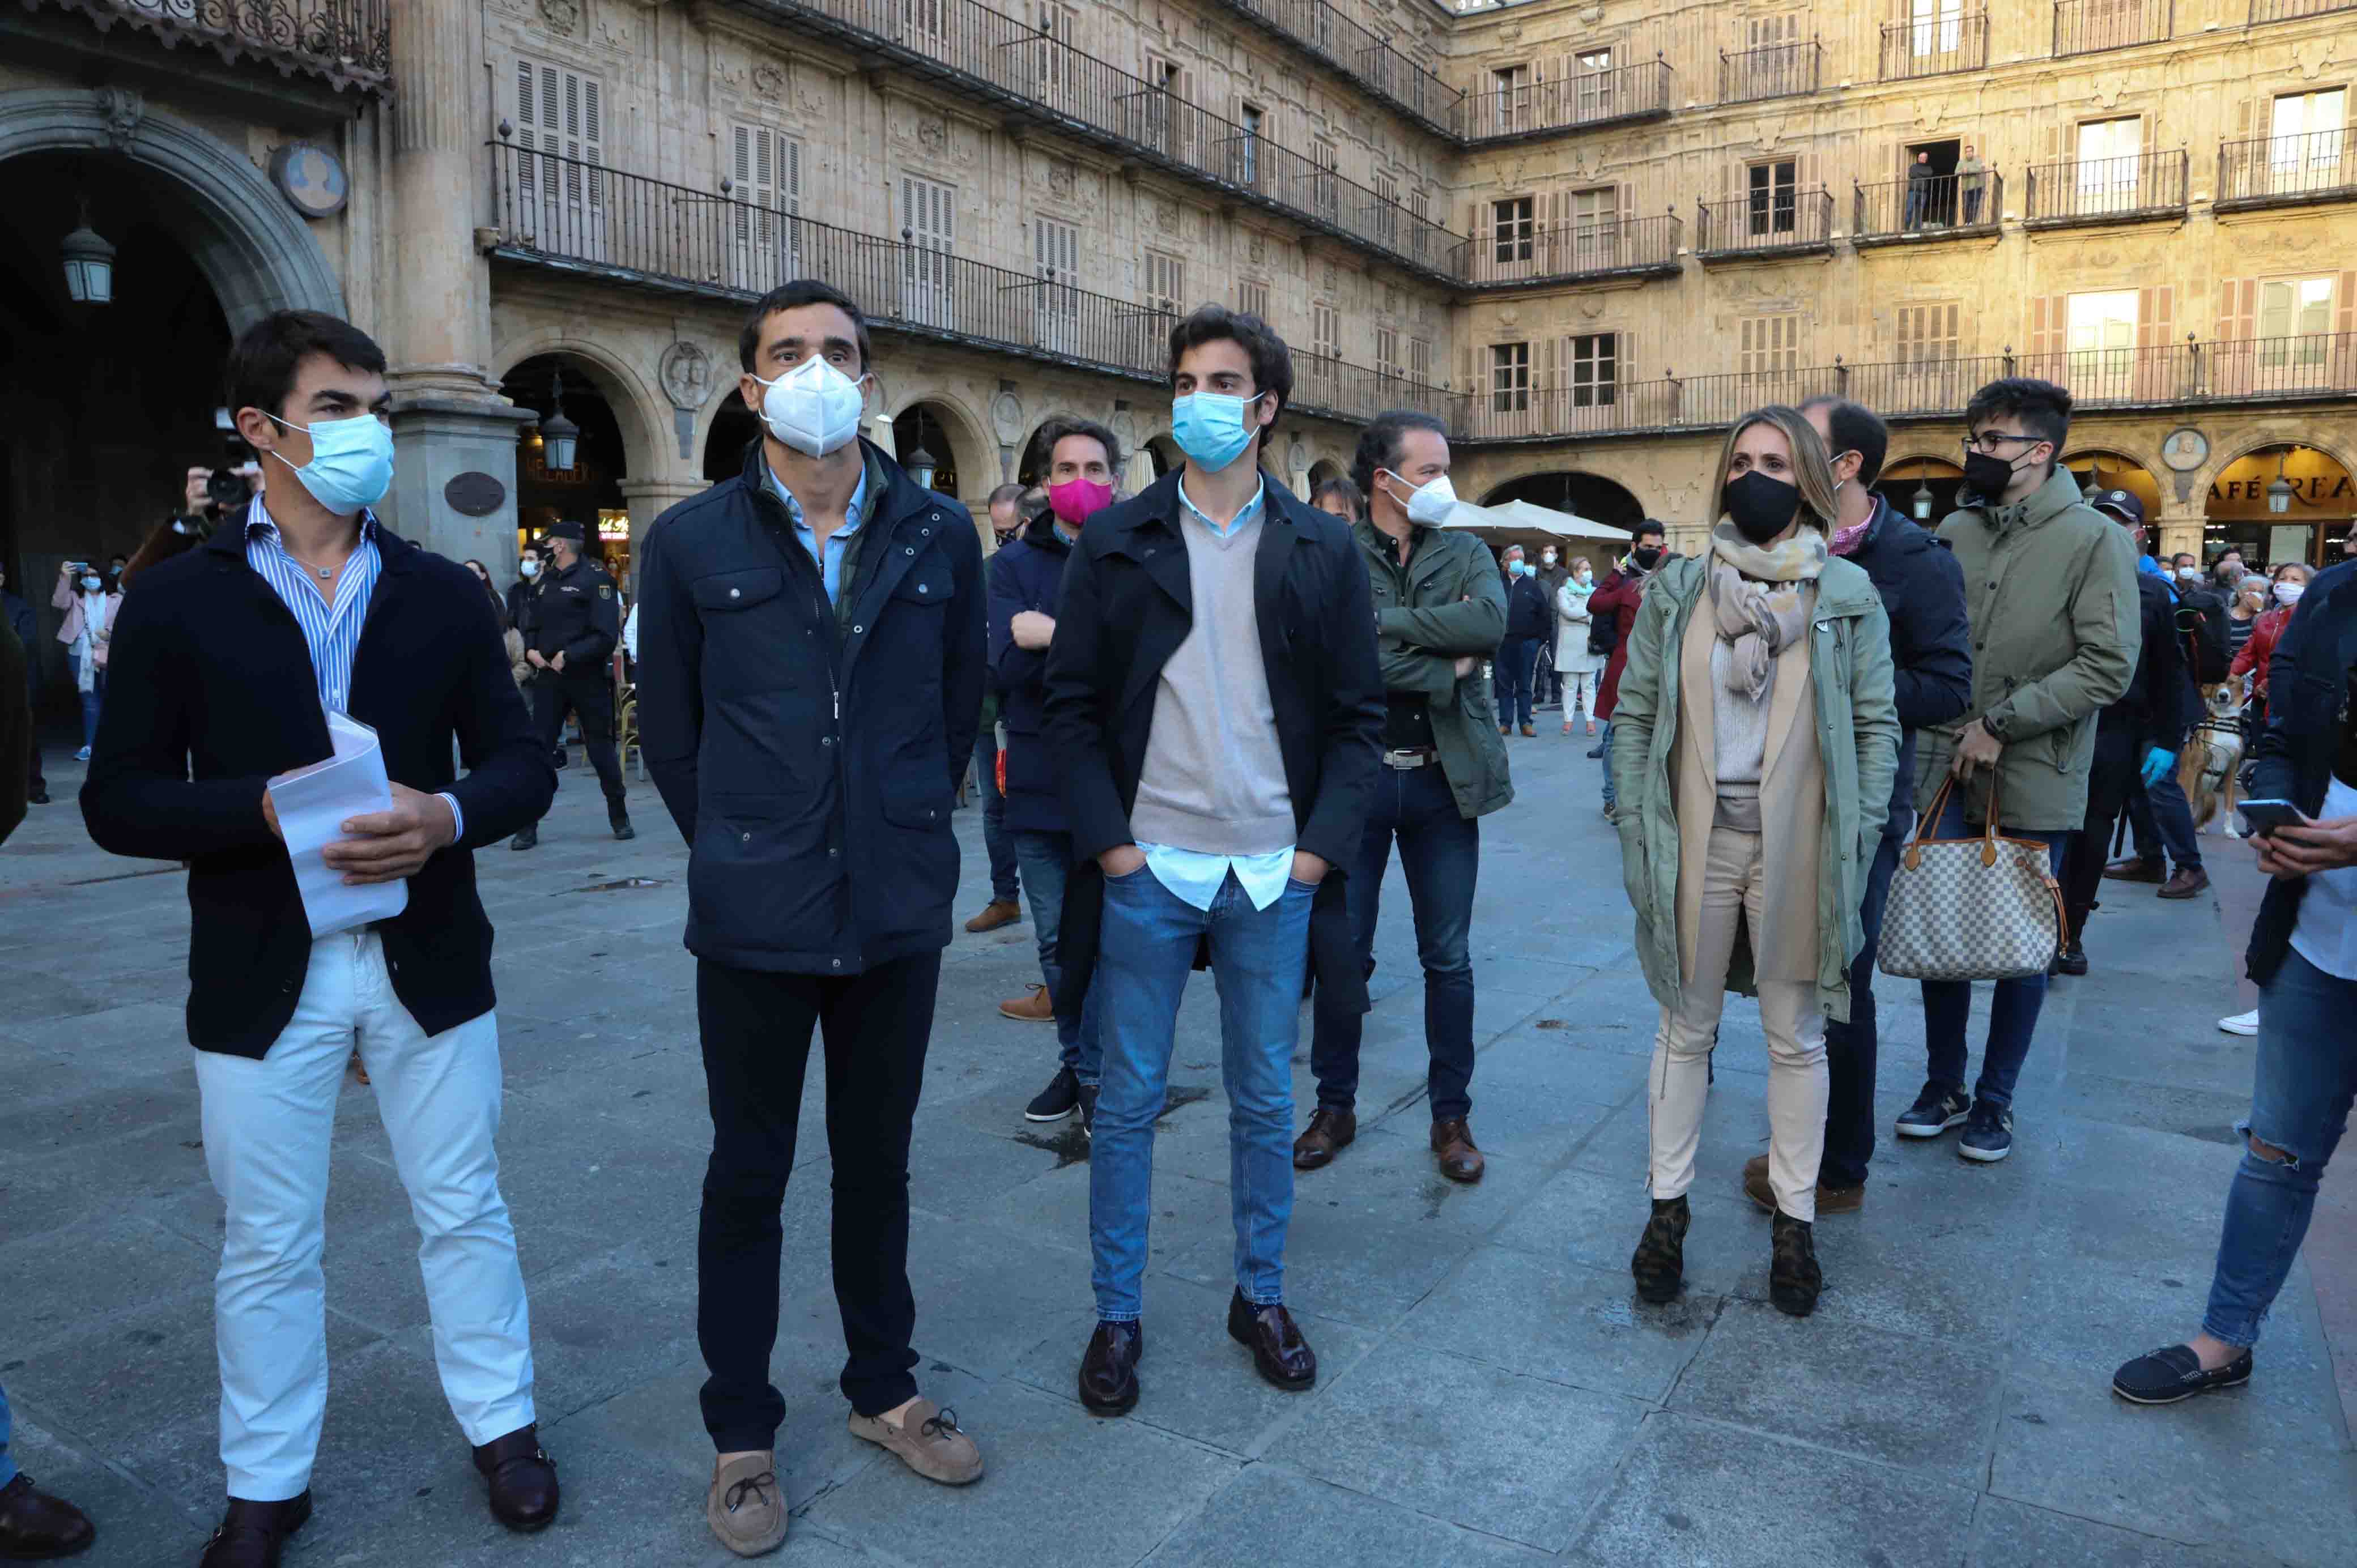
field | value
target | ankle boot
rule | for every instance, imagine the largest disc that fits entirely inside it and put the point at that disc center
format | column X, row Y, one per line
column 1794, row 1277
column 1659, row 1262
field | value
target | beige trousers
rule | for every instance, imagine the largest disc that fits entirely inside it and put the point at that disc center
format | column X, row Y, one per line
column 1731, row 891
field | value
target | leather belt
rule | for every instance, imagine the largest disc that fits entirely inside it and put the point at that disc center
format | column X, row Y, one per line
column 1414, row 756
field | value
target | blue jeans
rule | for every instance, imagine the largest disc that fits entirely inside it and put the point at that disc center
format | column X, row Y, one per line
column 1511, row 671
column 92, row 700
column 1146, row 945
column 2013, row 1015
column 1851, row 1047
column 1441, row 853
column 7, row 1463
column 2161, row 817
column 993, row 819
column 1046, row 861
column 1606, row 743
column 2306, row 1079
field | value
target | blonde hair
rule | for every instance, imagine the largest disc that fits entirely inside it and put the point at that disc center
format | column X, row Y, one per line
column 1579, row 561
column 1811, row 466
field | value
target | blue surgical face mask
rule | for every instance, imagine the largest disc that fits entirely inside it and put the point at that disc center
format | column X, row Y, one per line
column 1210, row 427
column 351, row 462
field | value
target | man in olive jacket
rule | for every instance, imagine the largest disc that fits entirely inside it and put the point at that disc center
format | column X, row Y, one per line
column 1438, row 609
column 2050, row 586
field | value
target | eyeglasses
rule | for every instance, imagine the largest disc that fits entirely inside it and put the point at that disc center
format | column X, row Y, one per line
column 1987, row 441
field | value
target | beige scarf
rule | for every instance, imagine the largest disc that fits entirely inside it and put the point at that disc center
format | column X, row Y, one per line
column 1757, row 600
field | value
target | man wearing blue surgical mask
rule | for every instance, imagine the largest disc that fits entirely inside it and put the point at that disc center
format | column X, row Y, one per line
column 228, row 659
column 1214, row 709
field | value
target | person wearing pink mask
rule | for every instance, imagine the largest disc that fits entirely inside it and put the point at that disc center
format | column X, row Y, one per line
column 1076, row 460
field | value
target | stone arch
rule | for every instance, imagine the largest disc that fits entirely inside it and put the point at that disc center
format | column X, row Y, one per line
column 1578, row 490
column 1326, row 468
column 975, row 457
column 2261, row 441
column 649, row 447
column 257, row 254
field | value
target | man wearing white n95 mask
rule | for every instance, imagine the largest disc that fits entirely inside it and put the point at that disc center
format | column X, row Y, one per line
column 811, row 666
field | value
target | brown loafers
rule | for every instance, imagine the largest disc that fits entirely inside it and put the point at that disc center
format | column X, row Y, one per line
column 1458, row 1154
column 523, row 1479
column 1283, row 1355
column 1327, row 1134
column 34, row 1525
column 253, row 1535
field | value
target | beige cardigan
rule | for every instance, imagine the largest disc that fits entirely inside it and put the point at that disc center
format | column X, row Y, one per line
column 1791, row 804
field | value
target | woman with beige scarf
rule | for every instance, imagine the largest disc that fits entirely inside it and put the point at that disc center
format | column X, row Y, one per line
column 1754, row 742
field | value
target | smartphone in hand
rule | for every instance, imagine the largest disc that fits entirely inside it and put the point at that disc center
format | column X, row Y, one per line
column 2266, row 816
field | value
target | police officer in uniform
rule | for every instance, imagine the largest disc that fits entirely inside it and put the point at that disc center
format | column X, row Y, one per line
column 573, row 624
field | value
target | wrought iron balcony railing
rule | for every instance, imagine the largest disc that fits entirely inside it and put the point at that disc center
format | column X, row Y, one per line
column 2309, row 368
column 348, row 42
column 2286, row 170
column 1777, row 71
column 991, row 56
column 1946, row 206
column 1773, row 221
column 1365, row 58
column 589, row 220
column 1611, row 247
column 1936, row 46
column 2107, row 191
column 2293, row 10
column 2089, row 27
column 1573, row 102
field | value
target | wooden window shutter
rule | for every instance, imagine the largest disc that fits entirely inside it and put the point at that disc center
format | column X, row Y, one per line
column 1465, row 379
column 1550, row 365
column 2344, row 303
column 2238, row 309
column 2049, row 317
column 2155, row 315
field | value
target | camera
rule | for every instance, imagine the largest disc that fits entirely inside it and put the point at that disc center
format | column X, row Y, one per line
column 225, row 487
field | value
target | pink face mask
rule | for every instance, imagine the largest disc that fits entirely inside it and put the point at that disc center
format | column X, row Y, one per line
column 1077, row 500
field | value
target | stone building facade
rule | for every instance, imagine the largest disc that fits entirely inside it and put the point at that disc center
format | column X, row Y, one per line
column 1585, row 233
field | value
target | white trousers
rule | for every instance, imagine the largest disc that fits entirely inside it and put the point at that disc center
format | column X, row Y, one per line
column 1731, row 891
column 267, row 1126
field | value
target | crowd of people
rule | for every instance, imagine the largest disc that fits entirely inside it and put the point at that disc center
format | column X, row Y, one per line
column 1208, row 715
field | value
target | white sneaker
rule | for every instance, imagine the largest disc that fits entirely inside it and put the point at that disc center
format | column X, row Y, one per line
column 2242, row 1023
column 82, row 756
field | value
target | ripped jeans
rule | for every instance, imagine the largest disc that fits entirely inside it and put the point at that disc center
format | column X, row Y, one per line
column 2300, row 1107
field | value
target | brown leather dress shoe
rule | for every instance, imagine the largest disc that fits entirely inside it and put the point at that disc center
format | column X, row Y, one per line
column 2136, row 868
column 1035, row 1008
column 1280, row 1352
column 523, row 1479
column 36, row 1527
column 2188, row 881
column 1327, row 1134
column 1530, row 732
column 997, row 913
column 252, row 1534
column 1830, row 1199
column 1460, row 1156
column 1109, row 1368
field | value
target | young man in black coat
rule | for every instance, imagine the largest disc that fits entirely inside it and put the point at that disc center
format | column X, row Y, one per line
column 1213, row 711
column 230, row 658
column 1923, row 589
column 810, row 671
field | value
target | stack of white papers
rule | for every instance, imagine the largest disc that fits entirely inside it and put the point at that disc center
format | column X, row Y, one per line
column 313, row 804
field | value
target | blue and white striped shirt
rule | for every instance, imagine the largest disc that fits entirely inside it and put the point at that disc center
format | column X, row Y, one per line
column 331, row 631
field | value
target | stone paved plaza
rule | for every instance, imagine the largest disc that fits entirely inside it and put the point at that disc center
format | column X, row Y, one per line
column 1490, row 1392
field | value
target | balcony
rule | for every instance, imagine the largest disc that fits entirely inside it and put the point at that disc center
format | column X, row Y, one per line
column 348, row 43
column 2090, row 27
column 1765, row 226
column 1363, row 58
column 2286, row 171
column 1573, row 252
column 1778, row 70
column 1576, row 103
column 989, row 57
column 591, row 221
column 2321, row 367
column 1901, row 211
column 2293, row 10
column 1935, row 47
column 2132, row 190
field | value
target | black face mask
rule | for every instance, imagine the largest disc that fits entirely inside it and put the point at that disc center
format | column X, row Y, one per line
column 1987, row 474
column 1762, row 505
column 1647, row 558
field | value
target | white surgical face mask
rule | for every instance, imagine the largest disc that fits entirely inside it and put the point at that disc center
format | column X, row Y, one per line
column 1548, row 557
column 1428, row 504
column 2289, row 592
column 1584, row 578
column 532, row 568
column 813, row 408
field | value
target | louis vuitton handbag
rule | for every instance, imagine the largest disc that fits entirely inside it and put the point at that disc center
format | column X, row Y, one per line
column 1985, row 908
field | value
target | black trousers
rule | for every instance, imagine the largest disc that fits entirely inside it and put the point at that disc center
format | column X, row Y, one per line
column 756, row 1036
column 2118, row 751
column 590, row 696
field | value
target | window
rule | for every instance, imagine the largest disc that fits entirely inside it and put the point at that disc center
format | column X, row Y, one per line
column 1510, row 90
column 1927, row 333
column 1252, row 298
column 1386, row 208
column 1056, row 253
column 1054, row 49
column 1512, row 224
column 560, row 112
column 924, row 23
column 2100, row 333
column 1510, row 377
column 928, row 213
column 1595, row 84
column 1772, row 193
column 1594, row 210
column 1166, row 281
column 1324, row 192
column 2109, row 164
column 2295, row 313
column 1768, row 344
column 1419, row 360
column 765, row 169
column 1248, row 151
column 1934, row 26
column 1387, row 350
column 2304, row 148
column 1164, row 121
column 1594, row 368
column 1325, row 331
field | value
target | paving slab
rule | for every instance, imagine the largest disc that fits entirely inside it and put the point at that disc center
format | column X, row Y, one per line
column 1270, row 1515
column 1563, row 1322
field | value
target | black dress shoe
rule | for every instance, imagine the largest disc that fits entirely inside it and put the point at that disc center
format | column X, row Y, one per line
column 1280, row 1352
column 251, row 1535
column 527, row 839
column 1109, row 1368
column 618, row 818
column 36, row 1527
column 2072, row 960
column 522, row 1479
column 37, row 798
